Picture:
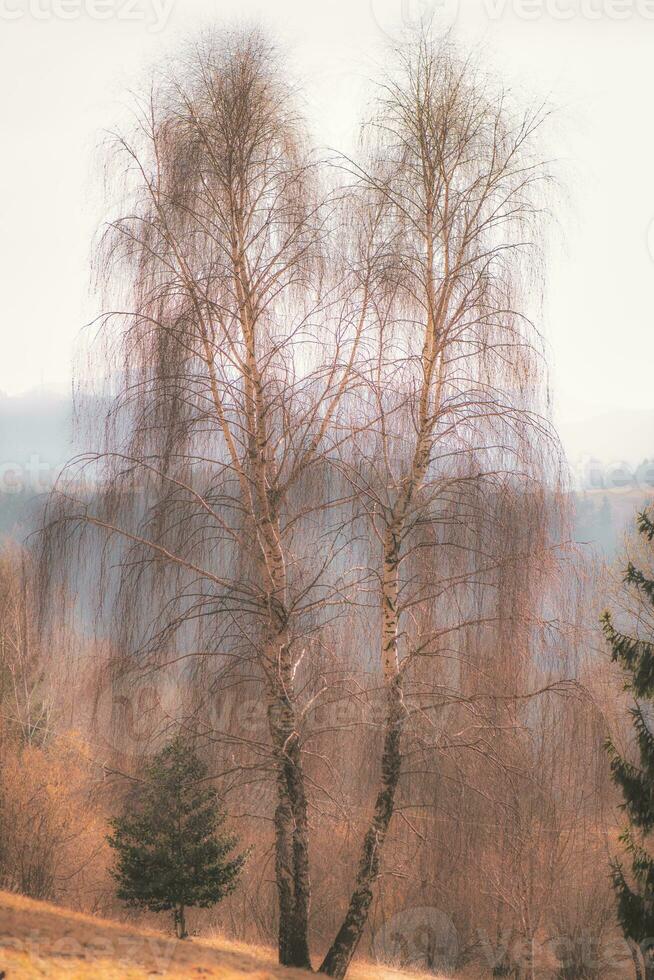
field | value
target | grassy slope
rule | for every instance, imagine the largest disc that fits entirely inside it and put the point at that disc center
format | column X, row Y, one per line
column 42, row 940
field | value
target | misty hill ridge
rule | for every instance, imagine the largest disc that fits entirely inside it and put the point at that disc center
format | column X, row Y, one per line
column 39, row 424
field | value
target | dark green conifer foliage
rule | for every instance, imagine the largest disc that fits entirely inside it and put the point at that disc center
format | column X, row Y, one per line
column 635, row 892
column 170, row 854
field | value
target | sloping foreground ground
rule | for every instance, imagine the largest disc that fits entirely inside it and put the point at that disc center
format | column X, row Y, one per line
column 42, row 940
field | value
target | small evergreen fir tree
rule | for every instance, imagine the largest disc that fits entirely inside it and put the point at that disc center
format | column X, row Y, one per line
column 635, row 899
column 170, row 854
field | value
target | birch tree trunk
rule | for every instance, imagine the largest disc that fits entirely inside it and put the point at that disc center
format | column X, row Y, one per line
column 291, row 826
column 342, row 950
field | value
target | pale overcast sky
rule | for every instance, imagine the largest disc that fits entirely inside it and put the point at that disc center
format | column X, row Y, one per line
column 66, row 67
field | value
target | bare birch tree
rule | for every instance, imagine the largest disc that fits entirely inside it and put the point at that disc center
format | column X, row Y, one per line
column 229, row 352
column 454, row 183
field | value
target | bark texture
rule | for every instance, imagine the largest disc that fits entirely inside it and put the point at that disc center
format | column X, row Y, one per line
column 342, row 950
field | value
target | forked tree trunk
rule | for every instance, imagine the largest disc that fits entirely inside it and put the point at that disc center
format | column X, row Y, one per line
column 342, row 950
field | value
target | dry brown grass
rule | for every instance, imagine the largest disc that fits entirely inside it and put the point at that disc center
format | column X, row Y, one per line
column 42, row 940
